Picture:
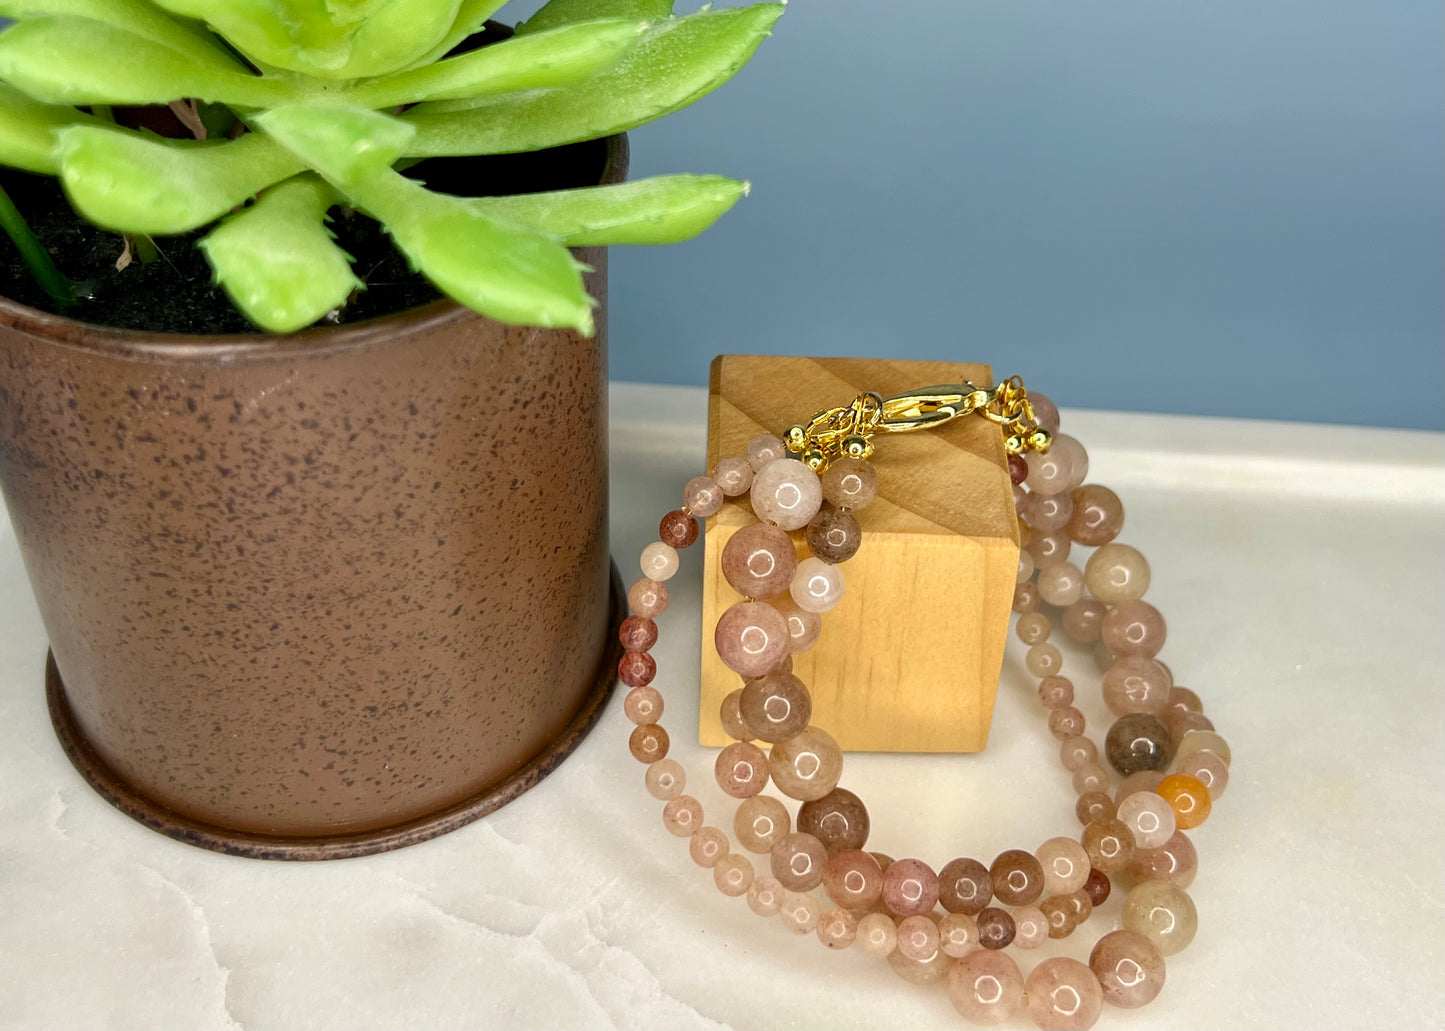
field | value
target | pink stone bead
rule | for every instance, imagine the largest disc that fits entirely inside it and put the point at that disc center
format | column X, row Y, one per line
column 957, row 934
column 1049, row 471
column 1203, row 741
column 853, row 879
column 1149, row 817
column 764, row 448
column 1026, row 566
column 1056, row 692
column 1061, row 584
column 730, row 715
column 1046, row 413
column 798, row 860
column 1044, row 660
column 1084, row 620
column 1129, row 968
column 707, row 845
column 776, row 707
column 765, row 895
column 1133, row 628
column 1063, row 995
column 659, row 561
column 910, row 887
column 808, row 766
column 929, row 971
column 677, row 529
column 1017, row 469
column 918, row 937
column 733, row 476
column 1026, row 598
column 817, row 586
column 643, row 705
column 1136, row 683
column 1049, row 512
column 751, row 638
column 986, row 987
column 682, row 816
column 648, row 743
column 850, row 483
column 702, row 496
column 1117, row 572
column 637, row 633
column 837, row 928
column 1031, row 927
column 1066, row 722
column 1181, row 723
column 1033, row 628
column 760, row 823
column 1066, row 865
column 1077, row 459
column 1142, row 780
column 741, row 770
column 1088, row 778
column 877, row 934
column 1208, row 769
column 1176, row 861
column 1076, row 751
column 636, row 668
column 1182, row 699
column 800, row 912
column 647, row 598
column 1050, row 548
column 1162, row 912
column 733, row 874
column 786, row 492
column 759, row 561
column 803, row 626
column 1098, row 515
column 665, row 779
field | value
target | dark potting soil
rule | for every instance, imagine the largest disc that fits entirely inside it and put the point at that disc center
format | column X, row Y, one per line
column 175, row 293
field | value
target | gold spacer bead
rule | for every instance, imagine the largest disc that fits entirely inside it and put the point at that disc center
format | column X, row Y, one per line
column 1040, row 440
column 856, row 446
column 795, row 439
column 815, row 460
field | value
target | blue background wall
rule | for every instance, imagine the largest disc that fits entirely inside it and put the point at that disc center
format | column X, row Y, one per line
column 1224, row 207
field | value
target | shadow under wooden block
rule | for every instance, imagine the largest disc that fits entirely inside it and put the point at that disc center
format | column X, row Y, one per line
column 909, row 660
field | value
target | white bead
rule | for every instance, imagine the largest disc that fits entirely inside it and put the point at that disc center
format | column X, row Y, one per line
column 659, row 561
column 788, row 493
column 817, row 586
column 1149, row 817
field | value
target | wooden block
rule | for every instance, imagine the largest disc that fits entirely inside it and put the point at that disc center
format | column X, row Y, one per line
column 909, row 660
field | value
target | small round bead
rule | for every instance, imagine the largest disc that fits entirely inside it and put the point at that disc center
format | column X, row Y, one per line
column 776, row 707
column 707, row 845
column 1026, row 598
column 1033, row 628
column 1077, row 458
column 760, row 823
column 1049, row 471
column 1203, row 741
column 1176, row 860
column 1060, row 914
column 759, row 561
column 733, row 476
column 1056, row 692
column 659, row 561
column 803, row 626
column 786, row 492
column 1061, row 583
column 648, row 743
column 1098, row 515
column 807, row 766
column 817, row 586
column 918, row 937
column 741, row 770
column 1049, row 513
column 665, row 779
column 1208, row 769
column 1129, row 968
column 1115, row 573
column 637, row 633
column 1026, row 565
column 839, row 820
column 797, row 861
column 800, row 912
column 1018, row 879
column 1148, row 817
column 877, row 934
column 1050, row 549
column 1046, row 413
column 1137, row 742
column 1065, row 863
column 1133, row 628
column 703, row 497
column 733, row 874
column 1135, row 683
column 1098, row 887
column 1182, row 699
column 1109, row 844
column 929, row 971
column 986, row 987
column 682, row 816
column 1077, row 751
column 1144, row 780
column 964, row 886
column 1187, row 797
column 1090, row 779
column 1181, row 723
column 677, row 529
column 1103, row 657
column 1094, row 805
column 643, row 705
column 1163, row 912
column 1044, row 660
column 1063, row 994
column 833, row 535
column 910, row 887
column 995, row 928
column 850, row 483
column 730, row 715
column 1018, row 469
column 765, row 894
column 957, row 934
column 1084, row 620
column 636, row 668
column 853, row 879
column 763, row 449
column 837, row 928
column 1031, row 927
column 647, row 598
column 1066, row 722
column 751, row 638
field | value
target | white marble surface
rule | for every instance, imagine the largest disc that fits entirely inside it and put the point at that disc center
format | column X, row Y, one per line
column 1301, row 569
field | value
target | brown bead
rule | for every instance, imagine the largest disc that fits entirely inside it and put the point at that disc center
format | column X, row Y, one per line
column 798, row 860
column 995, row 928
column 1026, row 597
column 834, row 535
column 853, row 879
column 1066, row 722
column 759, row 561
column 776, row 706
column 1181, row 723
column 677, row 529
column 636, row 668
column 751, row 638
column 731, row 717
column 839, row 820
column 1018, row 469
column 1094, row 805
column 1138, row 742
column 1098, row 515
column 648, row 743
column 1018, row 879
column 910, row 887
column 741, row 769
column 637, row 633
column 1060, row 912
column 1109, row 844
column 1098, row 887
column 964, row 886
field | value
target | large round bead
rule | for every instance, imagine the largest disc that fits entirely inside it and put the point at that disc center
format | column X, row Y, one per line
column 759, row 561
column 839, row 820
column 776, row 706
column 817, row 586
column 1063, row 995
column 1129, row 968
column 986, row 987
column 786, row 492
column 1138, row 742
column 752, row 638
column 808, row 766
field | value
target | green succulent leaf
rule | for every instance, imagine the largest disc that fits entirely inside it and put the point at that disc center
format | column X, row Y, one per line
column 66, row 60
column 471, row 16
column 135, row 183
column 27, row 130
column 276, row 259
column 398, row 34
column 660, row 210
column 345, row 144
column 672, row 65
column 557, row 58
column 138, row 17
column 556, row 13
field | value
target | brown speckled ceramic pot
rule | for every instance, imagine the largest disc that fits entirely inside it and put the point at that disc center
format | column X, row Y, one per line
column 319, row 594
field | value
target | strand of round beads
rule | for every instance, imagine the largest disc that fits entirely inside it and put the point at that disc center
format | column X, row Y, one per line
column 886, row 907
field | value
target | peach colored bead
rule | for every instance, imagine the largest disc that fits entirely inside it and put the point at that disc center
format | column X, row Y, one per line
column 751, row 638
column 733, row 874
column 807, row 766
column 1181, row 723
column 1066, row 722
column 1149, row 817
column 1144, row 780
column 764, row 448
column 1061, row 583
column 929, row 971
column 803, row 626
column 1182, row 699
column 1176, row 861
column 707, row 845
column 1133, row 628
column 1046, row 413
column 1033, row 628
column 1026, row 565
column 1187, row 797
column 1207, row 768
column 760, row 822
column 776, row 707
column 1076, row 751
column 702, row 496
column 730, row 715
column 741, row 770
column 682, row 816
column 765, row 895
column 665, row 779
column 877, row 934
column 1098, row 515
column 918, row 937
column 1044, row 660
column 986, row 987
column 853, row 879
column 1073, row 452
column 648, row 743
column 817, row 586
column 643, row 705
column 957, row 934
column 1063, row 994
column 800, row 912
column 659, row 561
column 759, row 560
column 1065, row 863
column 1049, row 471
column 733, row 476
column 1094, row 805
column 1103, row 657
column 1129, row 968
column 1203, row 741
column 1135, row 683
column 797, row 861
column 1084, row 620
column 1050, row 548
column 1049, row 513
column 1089, row 779
column 1031, row 927
column 837, row 928
column 1164, row 913
column 1109, row 844
column 1026, row 598
column 647, row 597
column 910, row 887
column 850, row 483
column 1056, row 692
column 787, row 493
column 1117, row 572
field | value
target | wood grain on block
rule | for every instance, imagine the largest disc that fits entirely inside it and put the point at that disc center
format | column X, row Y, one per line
column 909, row 661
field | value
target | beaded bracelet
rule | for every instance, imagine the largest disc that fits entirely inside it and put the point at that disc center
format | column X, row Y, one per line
column 1172, row 763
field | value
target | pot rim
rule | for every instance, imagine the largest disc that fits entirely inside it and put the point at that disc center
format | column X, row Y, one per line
column 190, row 348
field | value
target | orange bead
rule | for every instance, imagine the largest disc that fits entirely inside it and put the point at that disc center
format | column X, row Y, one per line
column 1188, row 797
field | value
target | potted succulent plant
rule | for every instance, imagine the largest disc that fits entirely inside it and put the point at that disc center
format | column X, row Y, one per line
column 321, row 591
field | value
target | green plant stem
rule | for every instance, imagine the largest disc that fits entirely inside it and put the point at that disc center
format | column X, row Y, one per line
column 50, row 278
